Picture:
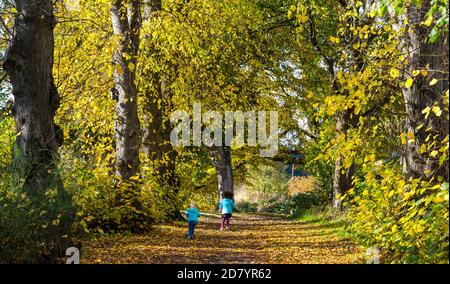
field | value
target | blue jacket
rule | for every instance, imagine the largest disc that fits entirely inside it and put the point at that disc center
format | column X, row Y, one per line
column 227, row 206
column 192, row 214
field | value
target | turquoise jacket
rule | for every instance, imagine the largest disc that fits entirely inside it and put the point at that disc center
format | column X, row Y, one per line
column 192, row 214
column 227, row 206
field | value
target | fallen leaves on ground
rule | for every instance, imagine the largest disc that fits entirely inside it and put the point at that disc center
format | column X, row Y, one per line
column 254, row 238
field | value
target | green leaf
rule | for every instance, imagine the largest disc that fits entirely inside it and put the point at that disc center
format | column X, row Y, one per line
column 382, row 10
column 434, row 35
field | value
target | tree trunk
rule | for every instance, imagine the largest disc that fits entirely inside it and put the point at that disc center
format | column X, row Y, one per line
column 342, row 177
column 126, row 25
column 156, row 137
column 221, row 159
column 342, row 182
column 157, row 126
column 432, row 57
column 29, row 63
column 151, row 6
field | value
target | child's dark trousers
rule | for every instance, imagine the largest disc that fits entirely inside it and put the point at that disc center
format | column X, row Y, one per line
column 192, row 225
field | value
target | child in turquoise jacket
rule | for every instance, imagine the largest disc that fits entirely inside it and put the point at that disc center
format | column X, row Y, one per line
column 192, row 215
column 226, row 206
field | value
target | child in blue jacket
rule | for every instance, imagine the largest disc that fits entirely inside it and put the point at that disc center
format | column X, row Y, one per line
column 226, row 206
column 192, row 215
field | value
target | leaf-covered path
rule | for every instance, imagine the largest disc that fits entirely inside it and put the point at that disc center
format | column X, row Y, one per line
column 254, row 238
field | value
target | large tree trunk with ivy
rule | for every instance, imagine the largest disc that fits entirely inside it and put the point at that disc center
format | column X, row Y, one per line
column 29, row 63
column 126, row 20
column 153, row 90
column 156, row 142
column 157, row 107
column 156, row 124
column 424, row 55
column 221, row 159
column 156, row 134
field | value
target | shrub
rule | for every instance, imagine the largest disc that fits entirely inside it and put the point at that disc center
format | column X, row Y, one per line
column 33, row 228
column 265, row 184
column 302, row 185
column 406, row 219
column 269, row 190
column 309, row 188
column 104, row 204
column 320, row 168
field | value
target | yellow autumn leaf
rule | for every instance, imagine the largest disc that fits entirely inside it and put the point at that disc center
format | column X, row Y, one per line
column 428, row 21
column 302, row 19
column 395, row 73
column 437, row 110
column 433, row 82
column 409, row 83
column 438, row 199
column 423, row 149
column 426, row 110
column 335, row 39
